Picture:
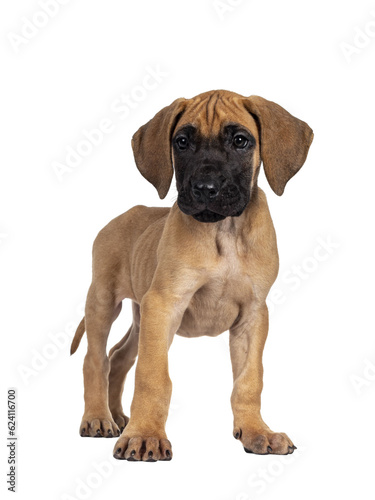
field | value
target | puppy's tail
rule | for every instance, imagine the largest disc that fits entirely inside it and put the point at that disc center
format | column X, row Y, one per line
column 78, row 336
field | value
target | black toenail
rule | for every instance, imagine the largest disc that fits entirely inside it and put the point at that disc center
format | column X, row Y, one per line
column 238, row 434
column 150, row 454
column 109, row 431
column 118, row 451
column 269, row 449
column 247, row 450
column 132, row 453
column 168, row 453
column 122, row 428
column 294, row 447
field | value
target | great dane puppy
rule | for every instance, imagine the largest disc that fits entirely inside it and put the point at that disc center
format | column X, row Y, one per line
column 201, row 267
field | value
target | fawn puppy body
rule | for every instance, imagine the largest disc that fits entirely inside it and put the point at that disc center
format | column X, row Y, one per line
column 201, row 267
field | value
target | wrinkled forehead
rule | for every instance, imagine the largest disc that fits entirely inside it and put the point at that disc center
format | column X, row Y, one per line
column 211, row 112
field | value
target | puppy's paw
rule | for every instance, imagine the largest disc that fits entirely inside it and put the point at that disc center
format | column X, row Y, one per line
column 264, row 441
column 98, row 426
column 146, row 448
column 120, row 418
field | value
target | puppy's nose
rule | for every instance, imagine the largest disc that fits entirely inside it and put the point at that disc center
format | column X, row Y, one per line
column 205, row 190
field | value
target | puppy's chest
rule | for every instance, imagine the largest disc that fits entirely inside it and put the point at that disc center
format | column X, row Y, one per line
column 231, row 276
column 217, row 304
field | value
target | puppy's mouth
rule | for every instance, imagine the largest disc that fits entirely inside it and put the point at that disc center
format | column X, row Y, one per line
column 212, row 214
column 208, row 216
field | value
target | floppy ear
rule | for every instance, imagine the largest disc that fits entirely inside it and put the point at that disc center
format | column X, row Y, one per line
column 152, row 147
column 284, row 140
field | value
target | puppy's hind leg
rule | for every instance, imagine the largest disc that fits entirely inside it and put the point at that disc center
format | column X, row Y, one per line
column 122, row 357
column 101, row 311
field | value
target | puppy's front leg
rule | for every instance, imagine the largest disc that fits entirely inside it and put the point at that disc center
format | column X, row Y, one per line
column 247, row 341
column 144, row 437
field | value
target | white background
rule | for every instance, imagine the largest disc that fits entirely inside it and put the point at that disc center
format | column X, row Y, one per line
column 319, row 384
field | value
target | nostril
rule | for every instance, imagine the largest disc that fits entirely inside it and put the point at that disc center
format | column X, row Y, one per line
column 212, row 192
column 197, row 193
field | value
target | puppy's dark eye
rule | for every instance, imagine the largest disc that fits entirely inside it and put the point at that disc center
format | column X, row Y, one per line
column 240, row 141
column 182, row 143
